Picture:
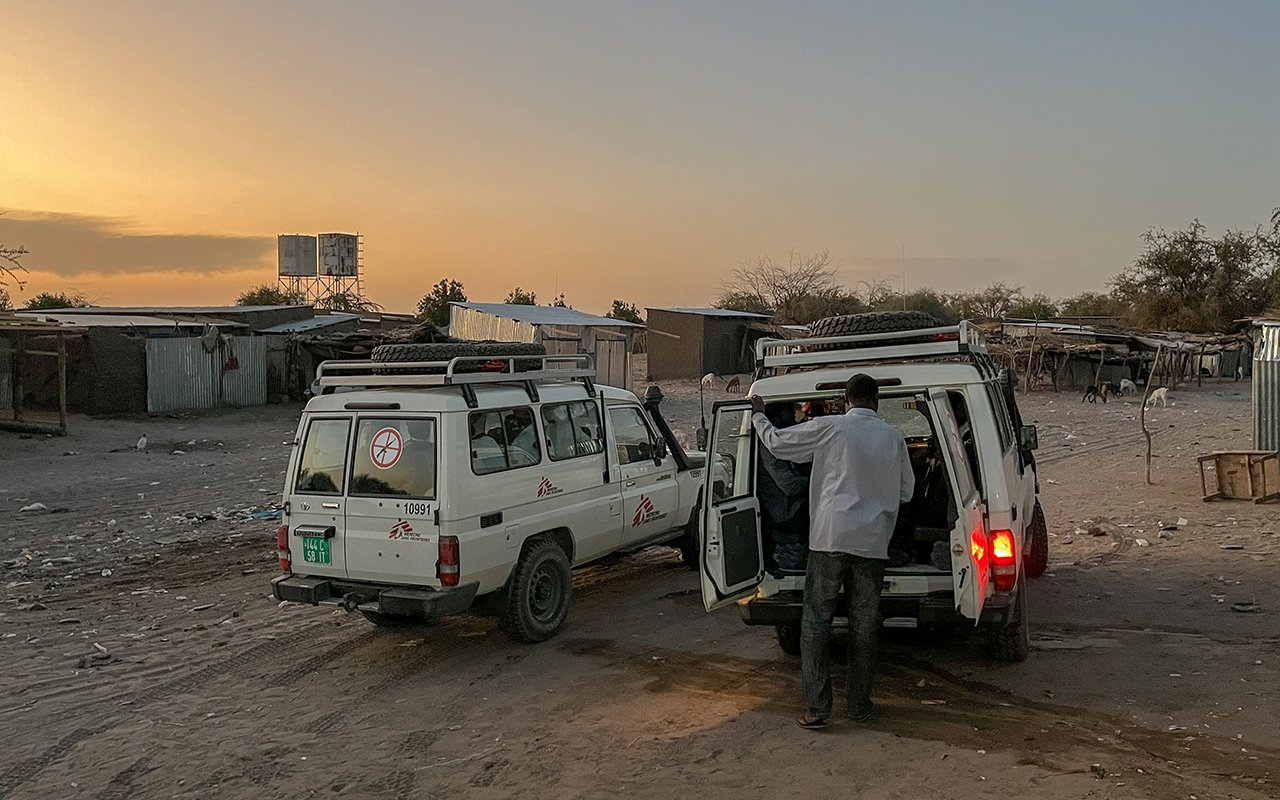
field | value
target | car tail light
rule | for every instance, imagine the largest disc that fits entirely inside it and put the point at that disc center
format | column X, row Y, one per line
column 945, row 337
column 282, row 548
column 1004, row 560
column 978, row 546
column 447, row 565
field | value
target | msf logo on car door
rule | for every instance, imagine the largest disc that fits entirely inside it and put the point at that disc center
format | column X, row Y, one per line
column 645, row 512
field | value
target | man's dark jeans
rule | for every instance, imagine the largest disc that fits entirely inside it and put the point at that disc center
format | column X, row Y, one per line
column 861, row 578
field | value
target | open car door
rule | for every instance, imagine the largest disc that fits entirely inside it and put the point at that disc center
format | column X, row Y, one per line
column 970, row 562
column 732, row 558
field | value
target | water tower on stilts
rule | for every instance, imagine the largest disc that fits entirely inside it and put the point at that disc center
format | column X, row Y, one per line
column 320, row 269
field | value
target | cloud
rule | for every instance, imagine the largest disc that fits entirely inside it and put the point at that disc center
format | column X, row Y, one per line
column 78, row 244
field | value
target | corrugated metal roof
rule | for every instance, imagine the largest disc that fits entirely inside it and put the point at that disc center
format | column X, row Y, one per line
column 713, row 312
column 315, row 323
column 547, row 315
column 119, row 320
column 146, row 310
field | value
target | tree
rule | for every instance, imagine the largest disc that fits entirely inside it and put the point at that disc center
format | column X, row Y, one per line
column 268, row 294
column 559, row 302
column 743, row 301
column 927, row 300
column 519, row 297
column 50, row 300
column 1087, row 305
column 624, row 311
column 349, row 303
column 992, row 302
column 1187, row 281
column 799, row 292
column 434, row 306
column 1035, row 307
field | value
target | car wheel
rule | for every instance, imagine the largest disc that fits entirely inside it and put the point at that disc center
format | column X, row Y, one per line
column 1012, row 641
column 538, row 594
column 688, row 543
column 788, row 638
column 866, row 324
column 1036, row 559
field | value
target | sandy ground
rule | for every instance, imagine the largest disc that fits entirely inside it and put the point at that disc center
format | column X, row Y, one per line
column 176, row 675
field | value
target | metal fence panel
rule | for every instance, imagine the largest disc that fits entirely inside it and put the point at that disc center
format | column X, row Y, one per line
column 1266, row 388
column 181, row 374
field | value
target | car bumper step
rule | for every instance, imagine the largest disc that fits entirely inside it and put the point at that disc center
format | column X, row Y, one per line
column 400, row 601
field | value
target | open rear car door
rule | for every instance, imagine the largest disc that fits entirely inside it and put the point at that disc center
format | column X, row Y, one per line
column 732, row 558
column 970, row 562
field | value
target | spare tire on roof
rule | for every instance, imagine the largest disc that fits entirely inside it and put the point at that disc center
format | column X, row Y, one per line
column 877, row 322
column 446, row 351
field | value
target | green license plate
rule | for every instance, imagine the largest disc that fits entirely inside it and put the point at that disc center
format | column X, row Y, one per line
column 315, row 550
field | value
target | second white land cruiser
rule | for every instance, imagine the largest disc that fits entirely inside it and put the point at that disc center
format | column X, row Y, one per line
column 448, row 472
column 971, row 536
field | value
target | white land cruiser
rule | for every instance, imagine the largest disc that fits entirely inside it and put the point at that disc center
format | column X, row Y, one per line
column 447, row 472
column 973, row 533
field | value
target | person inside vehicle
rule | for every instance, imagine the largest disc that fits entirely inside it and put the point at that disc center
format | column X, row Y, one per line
column 861, row 476
column 784, row 497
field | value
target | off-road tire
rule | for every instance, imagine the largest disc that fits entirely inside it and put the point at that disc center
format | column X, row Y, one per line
column 866, row 324
column 444, row 351
column 688, row 543
column 392, row 621
column 1012, row 642
column 539, row 593
column 1036, row 559
column 788, row 636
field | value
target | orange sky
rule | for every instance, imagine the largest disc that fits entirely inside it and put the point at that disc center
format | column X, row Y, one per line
column 157, row 149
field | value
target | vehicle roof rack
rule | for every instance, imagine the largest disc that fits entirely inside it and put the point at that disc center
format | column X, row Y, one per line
column 963, row 340
column 492, row 370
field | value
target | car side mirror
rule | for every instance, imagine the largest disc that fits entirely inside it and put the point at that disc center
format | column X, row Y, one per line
column 1029, row 438
column 659, row 451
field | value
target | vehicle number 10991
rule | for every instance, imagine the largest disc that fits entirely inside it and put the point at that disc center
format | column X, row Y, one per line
column 416, row 509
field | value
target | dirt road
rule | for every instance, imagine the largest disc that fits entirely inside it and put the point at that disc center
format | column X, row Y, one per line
column 153, row 663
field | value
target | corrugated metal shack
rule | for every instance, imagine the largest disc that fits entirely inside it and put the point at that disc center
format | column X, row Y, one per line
column 1266, row 384
column 563, row 331
column 690, row 342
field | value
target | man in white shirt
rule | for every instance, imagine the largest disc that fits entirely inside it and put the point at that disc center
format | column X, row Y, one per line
column 861, row 475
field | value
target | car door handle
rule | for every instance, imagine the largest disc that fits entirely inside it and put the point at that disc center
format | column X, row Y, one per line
column 631, row 483
column 334, row 506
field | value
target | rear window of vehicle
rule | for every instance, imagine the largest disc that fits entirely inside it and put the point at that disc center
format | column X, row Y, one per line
column 904, row 414
column 395, row 457
column 502, row 440
column 324, row 457
column 572, row 430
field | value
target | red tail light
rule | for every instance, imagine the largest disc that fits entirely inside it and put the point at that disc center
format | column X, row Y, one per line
column 282, row 548
column 448, row 563
column 1004, row 560
column 945, row 337
column 978, row 546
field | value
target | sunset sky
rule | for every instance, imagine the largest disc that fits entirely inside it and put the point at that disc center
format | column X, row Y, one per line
column 150, row 152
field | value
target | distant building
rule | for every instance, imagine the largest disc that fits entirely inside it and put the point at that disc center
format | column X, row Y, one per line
column 563, row 331
column 690, row 342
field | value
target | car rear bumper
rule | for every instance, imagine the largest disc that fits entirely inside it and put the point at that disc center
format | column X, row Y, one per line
column 401, row 601
column 786, row 608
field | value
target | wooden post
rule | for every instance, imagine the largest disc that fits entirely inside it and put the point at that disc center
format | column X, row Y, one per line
column 1151, row 381
column 1102, row 359
column 20, row 346
column 62, row 382
column 1031, row 360
column 1200, row 366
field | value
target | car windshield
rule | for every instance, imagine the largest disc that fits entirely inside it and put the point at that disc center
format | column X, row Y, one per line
column 903, row 414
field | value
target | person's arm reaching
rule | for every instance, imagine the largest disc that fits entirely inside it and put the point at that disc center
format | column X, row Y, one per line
column 908, row 474
column 797, row 443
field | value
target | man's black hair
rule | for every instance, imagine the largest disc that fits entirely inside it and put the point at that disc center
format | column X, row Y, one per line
column 862, row 390
column 773, row 410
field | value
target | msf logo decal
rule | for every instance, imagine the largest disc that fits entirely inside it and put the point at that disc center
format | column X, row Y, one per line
column 645, row 512
column 546, row 488
column 401, row 530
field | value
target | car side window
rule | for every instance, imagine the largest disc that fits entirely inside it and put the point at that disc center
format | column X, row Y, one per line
column 635, row 440
column 572, row 430
column 960, row 409
column 1001, row 414
column 503, row 439
column 324, row 457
